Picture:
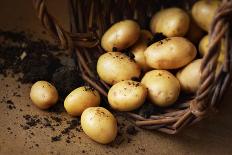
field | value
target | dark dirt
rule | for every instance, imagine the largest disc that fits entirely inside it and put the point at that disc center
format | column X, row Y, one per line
column 36, row 60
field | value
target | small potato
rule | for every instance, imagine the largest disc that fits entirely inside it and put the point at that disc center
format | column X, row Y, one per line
column 121, row 35
column 80, row 99
column 172, row 22
column 170, row 53
column 127, row 95
column 203, row 12
column 163, row 87
column 189, row 76
column 99, row 124
column 204, row 47
column 113, row 67
column 139, row 47
column 43, row 94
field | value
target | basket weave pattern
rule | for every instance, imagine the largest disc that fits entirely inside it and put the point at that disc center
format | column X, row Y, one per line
column 89, row 20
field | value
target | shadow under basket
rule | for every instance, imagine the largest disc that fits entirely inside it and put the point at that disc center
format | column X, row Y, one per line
column 89, row 19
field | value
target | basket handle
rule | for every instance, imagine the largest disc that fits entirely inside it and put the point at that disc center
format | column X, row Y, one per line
column 65, row 38
column 212, row 85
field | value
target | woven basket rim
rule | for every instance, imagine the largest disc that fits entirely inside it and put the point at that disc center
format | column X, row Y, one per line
column 212, row 87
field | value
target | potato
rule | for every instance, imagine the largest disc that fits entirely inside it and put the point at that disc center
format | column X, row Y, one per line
column 195, row 33
column 189, row 76
column 113, row 67
column 43, row 94
column 121, row 35
column 163, row 87
column 80, row 99
column 139, row 47
column 99, row 124
column 204, row 47
column 127, row 95
column 172, row 22
column 170, row 53
column 203, row 12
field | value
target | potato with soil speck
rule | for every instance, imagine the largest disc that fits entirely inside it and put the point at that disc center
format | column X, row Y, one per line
column 80, row 99
column 99, row 124
column 171, row 22
column 163, row 87
column 43, row 94
column 113, row 67
column 120, row 36
column 170, row 53
column 127, row 95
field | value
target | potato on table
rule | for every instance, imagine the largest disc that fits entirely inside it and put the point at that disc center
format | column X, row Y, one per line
column 80, row 99
column 99, row 124
column 43, row 94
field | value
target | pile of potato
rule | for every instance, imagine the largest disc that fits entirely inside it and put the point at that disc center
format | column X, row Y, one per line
column 147, row 75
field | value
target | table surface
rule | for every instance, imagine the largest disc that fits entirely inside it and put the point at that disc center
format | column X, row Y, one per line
column 211, row 136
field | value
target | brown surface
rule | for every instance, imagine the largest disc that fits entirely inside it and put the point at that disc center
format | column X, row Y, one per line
column 211, row 136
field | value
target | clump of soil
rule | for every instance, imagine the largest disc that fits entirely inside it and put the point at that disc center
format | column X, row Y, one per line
column 66, row 79
column 33, row 58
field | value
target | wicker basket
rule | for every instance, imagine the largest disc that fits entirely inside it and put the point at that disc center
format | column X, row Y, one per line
column 89, row 19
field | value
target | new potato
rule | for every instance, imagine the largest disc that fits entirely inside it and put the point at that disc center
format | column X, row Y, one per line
column 172, row 22
column 189, row 76
column 127, row 95
column 163, row 87
column 139, row 47
column 121, row 35
column 113, row 67
column 170, row 53
column 203, row 12
column 204, row 47
column 43, row 94
column 99, row 124
column 80, row 99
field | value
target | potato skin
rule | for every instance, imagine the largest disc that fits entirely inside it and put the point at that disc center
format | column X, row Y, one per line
column 80, row 99
column 127, row 95
column 113, row 67
column 163, row 87
column 139, row 47
column 170, row 53
column 43, row 94
column 189, row 76
column 204, row 47
column 203, row 12
column 172, row 22
column 99, row 124
column 121, row 35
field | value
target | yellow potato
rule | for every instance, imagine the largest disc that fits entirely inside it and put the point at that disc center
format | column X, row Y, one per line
column 204, row 47
column 127, row 95
column 203, row 12
column 163, row 87
column 139, row 47
column 172, row 22
column 121, row 35
column 80, row 99
column 113, row 67
column 170, row 53
column 99, row 124
column 189, row 76
column 43, row 94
